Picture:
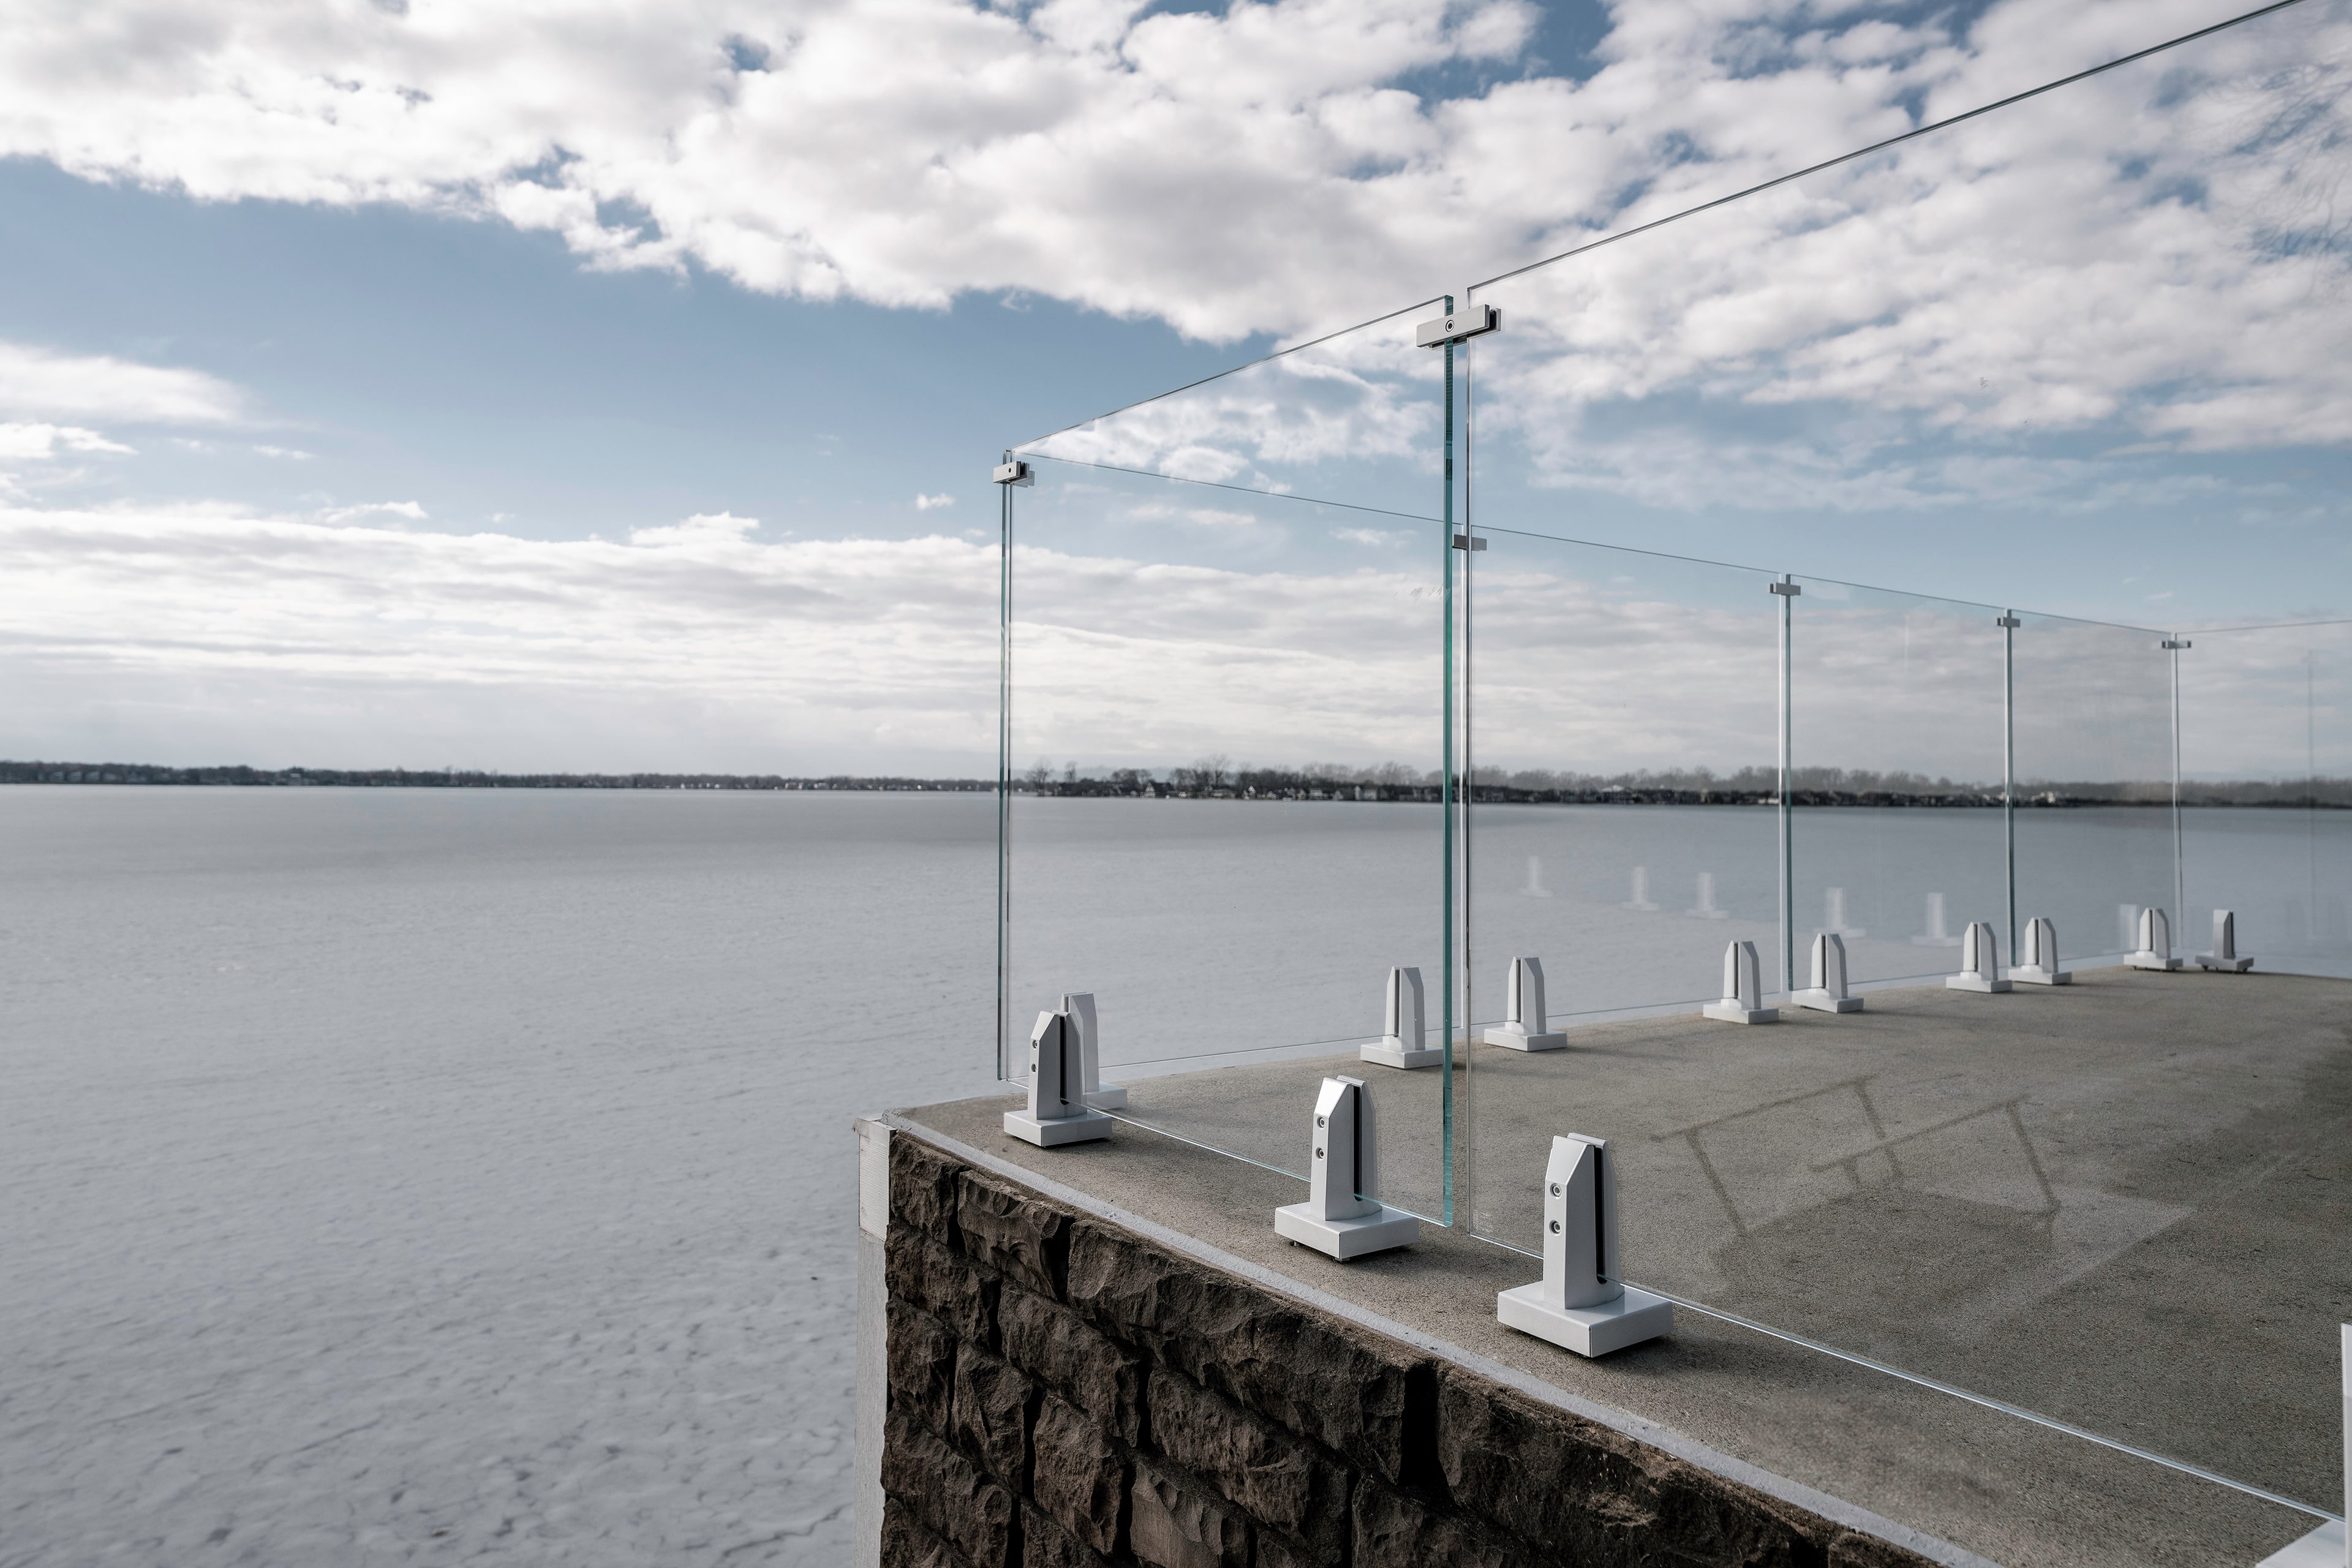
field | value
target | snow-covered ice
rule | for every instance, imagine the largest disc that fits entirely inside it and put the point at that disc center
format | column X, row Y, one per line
column 454, row 1177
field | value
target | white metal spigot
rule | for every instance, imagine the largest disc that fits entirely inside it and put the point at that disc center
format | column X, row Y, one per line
column 1743, row 989
column 2155, row 950
column 1404, row 1039
column 1582, row 1302
column 1828, row 993
column 1080, row 1006
column 1525, row 1026
column 1935, row 935
column 1980, row 960
column 2037, row 963
column 1057, row 1111
column 2224, row 956
column 1708, row 910
column 1343, row 1215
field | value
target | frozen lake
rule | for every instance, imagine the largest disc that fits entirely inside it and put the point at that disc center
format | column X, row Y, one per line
column 422, row 1175
column 408, row 1175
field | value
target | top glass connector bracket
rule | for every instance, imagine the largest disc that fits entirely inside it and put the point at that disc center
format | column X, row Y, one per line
column 1457, row 325
column 1013, row 473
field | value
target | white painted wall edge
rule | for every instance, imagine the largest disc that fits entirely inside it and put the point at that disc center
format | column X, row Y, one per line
column 873, row 1339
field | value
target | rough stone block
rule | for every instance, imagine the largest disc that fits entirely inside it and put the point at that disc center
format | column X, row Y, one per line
column 1320, row 1378
column 1280, row 1551
column 922, row 1361
column 1586, row 1492
column 906, row 1544
column 1075, row 1359
column 946, row 1494
column 1079, row 1474
column 950, row 1286
column 923, row 1188
column 1013, row 1231
column 1277, row 1479
column 990, row 1416
column 1395, row 1531
column 1324, row 1380
column 1174, row 1522
column 1045, row 1544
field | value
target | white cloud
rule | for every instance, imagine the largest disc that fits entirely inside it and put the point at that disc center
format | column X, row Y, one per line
column 700, row 531
column 214, row 632
column 1255, row 168
column 932, row 503
column 2150, row 252
column 407, row 508
column 211, row 634
column 40, row 441
column 40, row 384
column 2153, row 257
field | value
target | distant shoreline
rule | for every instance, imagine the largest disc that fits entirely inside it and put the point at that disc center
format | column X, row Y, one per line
column 454, row 778
column 2331, row 795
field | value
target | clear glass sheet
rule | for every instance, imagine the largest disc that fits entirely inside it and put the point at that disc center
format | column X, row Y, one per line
column 2095, row 828
column 1898, row 839
column 1227, row 820
column 2266, row 820
column 1356, row 418
column 2120, row 299
column 1621, row 706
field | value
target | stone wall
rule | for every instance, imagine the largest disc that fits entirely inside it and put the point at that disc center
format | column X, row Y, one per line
column 1064, row 1394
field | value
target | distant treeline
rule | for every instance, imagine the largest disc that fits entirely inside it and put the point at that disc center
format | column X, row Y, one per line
column 452, row 778
column 1214, row 778
column 1859, row 787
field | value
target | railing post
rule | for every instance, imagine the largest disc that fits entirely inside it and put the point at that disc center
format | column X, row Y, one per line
column 2179, row 872
column 1450, row 986
column 2008, row 623
column 1787, row 588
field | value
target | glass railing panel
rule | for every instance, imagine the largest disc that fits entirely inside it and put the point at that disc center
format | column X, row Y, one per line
column 1622, row 831
column 2267, row 792
column 1226, row 818
column 1898, row 841
column 1354, row 418
column 2107, row 306
column 2094, row 816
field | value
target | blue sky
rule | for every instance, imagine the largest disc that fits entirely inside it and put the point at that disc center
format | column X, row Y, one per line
column 482, row 373
column 423, row 383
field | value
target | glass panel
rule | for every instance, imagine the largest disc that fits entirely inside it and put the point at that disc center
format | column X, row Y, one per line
column 1622, row 829
column 2266, row 759
column 2095, row 842
column 2111, row 303
column 1227, row 818
column 1898, row 838
column 1356, row 418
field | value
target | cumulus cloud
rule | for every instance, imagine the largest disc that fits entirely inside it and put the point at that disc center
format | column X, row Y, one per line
column 211, row 634
column 2152, row 258
column 200, row 631
column 410, row 510
column 933, row 502
column 42, row 441
column 2154, row 251
column 42, row 383
column 1261, row 167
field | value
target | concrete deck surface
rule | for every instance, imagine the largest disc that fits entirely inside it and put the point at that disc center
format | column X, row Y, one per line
column 2126, row 1204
